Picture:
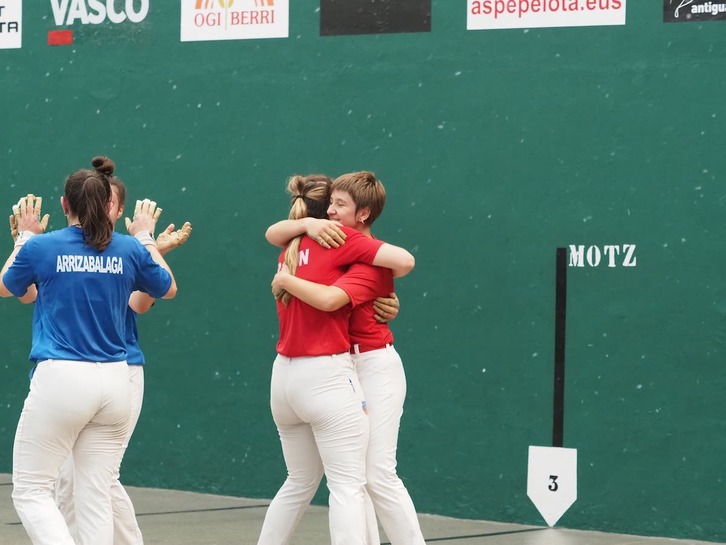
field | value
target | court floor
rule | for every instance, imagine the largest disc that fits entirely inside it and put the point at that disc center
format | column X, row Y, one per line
column 169, row 517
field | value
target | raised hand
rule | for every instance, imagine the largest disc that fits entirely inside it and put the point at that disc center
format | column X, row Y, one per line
column 26, row 216
column 169, row 239
column 13, row 227
column 146, row 214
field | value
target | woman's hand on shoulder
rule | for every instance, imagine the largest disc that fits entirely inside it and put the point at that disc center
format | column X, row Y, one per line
column 327, row 233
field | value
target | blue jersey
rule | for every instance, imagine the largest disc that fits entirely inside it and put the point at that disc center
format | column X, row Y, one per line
column 83, row 294
column 135, row 355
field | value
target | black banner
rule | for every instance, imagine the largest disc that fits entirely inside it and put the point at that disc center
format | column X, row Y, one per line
column 692, row 11
column 347, row 17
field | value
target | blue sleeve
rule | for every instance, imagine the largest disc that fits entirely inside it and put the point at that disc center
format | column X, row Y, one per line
column 20, row 274
column 152, row 278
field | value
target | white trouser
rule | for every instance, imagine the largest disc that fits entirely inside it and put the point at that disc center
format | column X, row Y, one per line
column 318, row 407
column 383, row 380
column 78, row 407
column 125, row 528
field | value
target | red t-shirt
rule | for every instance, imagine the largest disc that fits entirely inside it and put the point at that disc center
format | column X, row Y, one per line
column 307, row 331
column 363, row 283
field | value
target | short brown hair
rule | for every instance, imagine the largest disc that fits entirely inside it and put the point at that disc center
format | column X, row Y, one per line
column 365, row 189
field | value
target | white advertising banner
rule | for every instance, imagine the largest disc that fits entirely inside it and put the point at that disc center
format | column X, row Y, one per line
column 210, row 20
column 499, row 14
column 11, row 27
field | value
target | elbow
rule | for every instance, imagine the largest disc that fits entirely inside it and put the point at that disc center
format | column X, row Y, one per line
column 410, row 263
column 406, row 267
column 141, row 302
column 171, row 293
column 270, row 237
column 144, row 308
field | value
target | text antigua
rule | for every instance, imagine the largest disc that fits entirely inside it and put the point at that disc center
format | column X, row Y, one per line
column 711, row 8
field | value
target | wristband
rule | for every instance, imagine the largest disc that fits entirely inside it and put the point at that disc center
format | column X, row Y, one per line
column 23, row 237
column 145, row 238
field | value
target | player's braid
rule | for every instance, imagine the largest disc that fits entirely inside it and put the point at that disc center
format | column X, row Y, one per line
column 310, row 196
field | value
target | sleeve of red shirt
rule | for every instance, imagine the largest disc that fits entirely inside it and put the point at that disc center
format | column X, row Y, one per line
column 358, row 248
column 362, row 283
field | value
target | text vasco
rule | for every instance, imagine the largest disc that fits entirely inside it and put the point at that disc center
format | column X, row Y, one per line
column 95, row 12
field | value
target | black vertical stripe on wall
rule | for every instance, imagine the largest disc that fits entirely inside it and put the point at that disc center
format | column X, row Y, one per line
column 347, row 17
column 558, row 416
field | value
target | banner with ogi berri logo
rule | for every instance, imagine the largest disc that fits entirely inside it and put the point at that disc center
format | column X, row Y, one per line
column 693, row 11
column 212, row 20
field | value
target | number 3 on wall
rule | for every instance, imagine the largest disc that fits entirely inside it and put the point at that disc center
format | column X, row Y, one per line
column 552, row 480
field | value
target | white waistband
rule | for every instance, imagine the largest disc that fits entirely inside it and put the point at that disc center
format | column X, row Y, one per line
column 84, row 361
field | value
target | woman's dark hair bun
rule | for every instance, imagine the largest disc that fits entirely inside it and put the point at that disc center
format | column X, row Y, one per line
column 104, row 165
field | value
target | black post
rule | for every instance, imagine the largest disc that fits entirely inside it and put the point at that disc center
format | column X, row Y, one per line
column 558, row 416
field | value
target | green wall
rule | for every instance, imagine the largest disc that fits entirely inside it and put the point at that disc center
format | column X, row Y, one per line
column 496, row 147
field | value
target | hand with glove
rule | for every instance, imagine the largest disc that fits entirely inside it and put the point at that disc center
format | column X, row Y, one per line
column 13, row 227
column 142, row 227
column 146, row 214
column 169, row 239
column 25, row 221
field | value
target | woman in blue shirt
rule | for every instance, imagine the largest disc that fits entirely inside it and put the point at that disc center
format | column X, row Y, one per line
column 79, row 396
column 125, row 527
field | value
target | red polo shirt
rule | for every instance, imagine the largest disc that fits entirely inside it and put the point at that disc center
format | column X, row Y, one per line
column 304, row 330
